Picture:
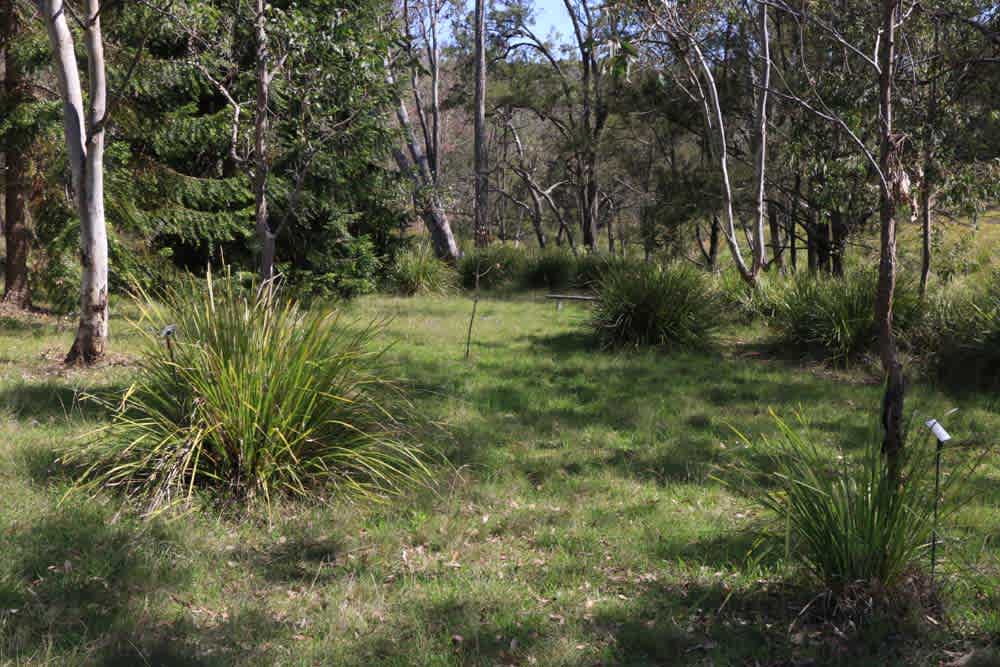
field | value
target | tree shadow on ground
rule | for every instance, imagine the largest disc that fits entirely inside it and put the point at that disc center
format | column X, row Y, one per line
column 771, row 623
column 83, row 586
column 71, row 575
column 51, row 401
column 300, row 559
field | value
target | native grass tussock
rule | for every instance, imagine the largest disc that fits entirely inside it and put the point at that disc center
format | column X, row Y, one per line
column 244, row 392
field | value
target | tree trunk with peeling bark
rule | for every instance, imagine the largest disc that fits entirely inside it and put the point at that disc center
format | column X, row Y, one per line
column 892, row 402
column 265, row 234
column 84, row 133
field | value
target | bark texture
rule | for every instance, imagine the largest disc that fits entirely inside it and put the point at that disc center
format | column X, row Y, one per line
column 13, row 197
column 266, row 236
column 481, row 213
column 84, row 132
column 892, row 403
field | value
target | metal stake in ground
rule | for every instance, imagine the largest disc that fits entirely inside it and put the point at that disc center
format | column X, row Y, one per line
column 942, row 437
column 167, row 335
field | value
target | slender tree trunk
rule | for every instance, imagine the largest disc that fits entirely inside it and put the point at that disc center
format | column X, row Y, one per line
column 838, row 230
column 590, row 203
column 435, row 147
column 536, row 217
column 826, row 248
column 713, row 111
column 760, row 160
column 892, row 403
column 777, row 245
column 812, row 241
column 793, row 214
column 86, row 158
column 13, row 196
column 265, row 235
column 17, row 238
column 481, row 213
column 928, row 181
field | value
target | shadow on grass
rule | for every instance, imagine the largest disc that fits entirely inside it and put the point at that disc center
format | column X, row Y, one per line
column 698, row 623
column 573, row 390
column 302, row 559
column 83, row 587
column 50, row 401
column 70, row 577
column 457, row 627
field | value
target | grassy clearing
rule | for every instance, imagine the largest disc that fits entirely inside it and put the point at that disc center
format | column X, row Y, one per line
column 579, row 522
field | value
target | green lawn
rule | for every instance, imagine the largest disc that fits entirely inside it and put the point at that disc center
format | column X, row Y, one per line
column 578, row 521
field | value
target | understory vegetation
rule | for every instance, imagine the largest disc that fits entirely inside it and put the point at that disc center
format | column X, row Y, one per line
column 835, row 317
column 587, row 517
column 853, row 525
column 669, row 306
column 241, row 391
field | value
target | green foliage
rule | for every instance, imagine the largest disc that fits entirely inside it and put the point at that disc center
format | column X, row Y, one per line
column 844, row 519
column 495, row 265
column 960, row 335
column 418, row 271
column 591, row 268
column 552, row 268
column 649, row 305
column 836, row 316
column 749, row 304
column 253, row 397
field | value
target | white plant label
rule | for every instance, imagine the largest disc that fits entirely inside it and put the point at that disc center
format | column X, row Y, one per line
column 938, row 431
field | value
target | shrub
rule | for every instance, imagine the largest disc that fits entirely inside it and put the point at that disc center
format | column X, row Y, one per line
column 961, row 334
column 843, row 519
column 496, row 265
column 553, row 268
column 253, row 397
column 836, row 316
column 745, row 303
column 418, row 271
column 646, row 304
column 592, row 267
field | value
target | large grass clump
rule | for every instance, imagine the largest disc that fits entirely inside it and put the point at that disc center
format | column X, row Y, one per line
column 747, row 303
column 552, row 268
column 960, row 336
column 252, row 397
column 835, row 317
column 418, row 270
column 492, row 267
column 670, row 306
column 844, row 518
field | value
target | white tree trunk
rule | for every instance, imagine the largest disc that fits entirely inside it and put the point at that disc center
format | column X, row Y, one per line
column 86, row 158
column 760, row 161
column 481, row 214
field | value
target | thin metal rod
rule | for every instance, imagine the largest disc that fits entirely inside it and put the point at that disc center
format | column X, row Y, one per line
column 937, row 497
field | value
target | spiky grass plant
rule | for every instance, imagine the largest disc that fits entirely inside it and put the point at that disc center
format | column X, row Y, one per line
column 746, row 303
column 418, row 271
column 642, row 305
column 552, row 268
column 835, row 317
column 843, row 517
column 960, row 337
column 253, row 397
column 495, row 265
